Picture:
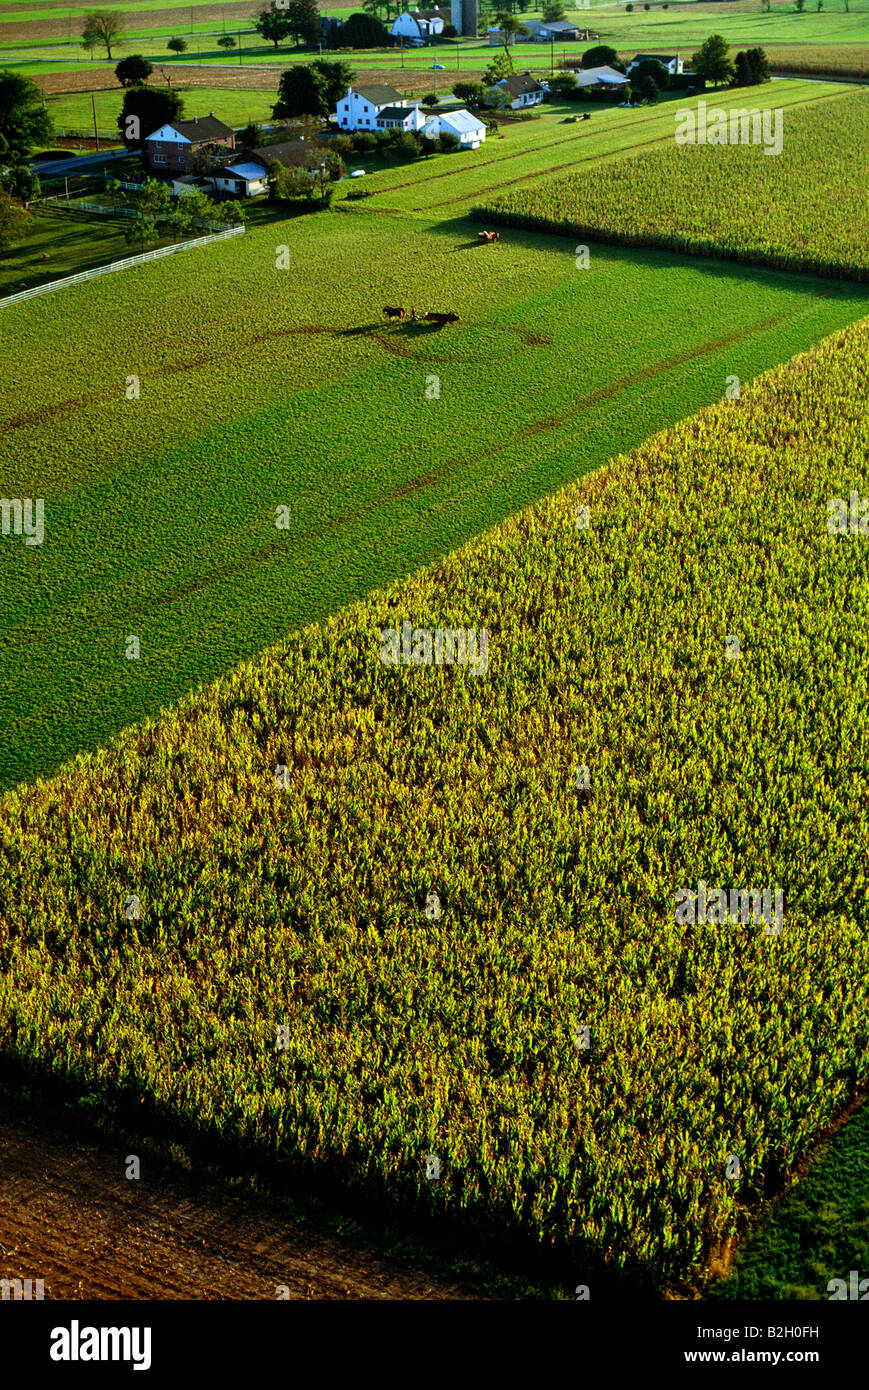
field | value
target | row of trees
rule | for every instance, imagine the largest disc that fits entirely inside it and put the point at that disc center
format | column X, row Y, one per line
column 155, row 206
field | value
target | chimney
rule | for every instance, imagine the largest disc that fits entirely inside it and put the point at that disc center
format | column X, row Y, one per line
column 211, row 114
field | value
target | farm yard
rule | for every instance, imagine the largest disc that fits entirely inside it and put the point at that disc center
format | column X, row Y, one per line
column 224, row 816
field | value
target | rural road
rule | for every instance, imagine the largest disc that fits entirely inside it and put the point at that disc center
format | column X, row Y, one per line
column 70, row 1216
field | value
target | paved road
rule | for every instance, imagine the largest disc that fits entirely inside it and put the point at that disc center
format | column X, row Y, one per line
column 75, row 163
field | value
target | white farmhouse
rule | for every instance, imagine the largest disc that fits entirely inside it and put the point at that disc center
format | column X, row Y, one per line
column 362, row 105
column 400, row 118
column 418, row 27
column 522, row 90
column 469, row 131
column 671, row 61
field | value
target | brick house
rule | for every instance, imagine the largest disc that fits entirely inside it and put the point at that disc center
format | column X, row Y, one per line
column 171, row 148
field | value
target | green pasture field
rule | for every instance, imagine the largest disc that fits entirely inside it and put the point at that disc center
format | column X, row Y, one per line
column 161, row 519
column 805, row 207
column 233, row 105
column 452, row 1027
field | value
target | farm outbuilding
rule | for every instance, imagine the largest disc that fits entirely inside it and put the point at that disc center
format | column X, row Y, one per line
column 468, row 130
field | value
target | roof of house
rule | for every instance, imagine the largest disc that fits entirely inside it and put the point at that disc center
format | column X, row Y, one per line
column 461, row 121
column 519, row 83
column 594, row 77
column 658, row 57
column 560, row 26
column 292, row 154
column 379, row 96
column 246, row 170
column 201, row 128
column 395, row 113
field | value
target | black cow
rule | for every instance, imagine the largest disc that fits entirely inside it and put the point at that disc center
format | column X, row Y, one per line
column 441, row 318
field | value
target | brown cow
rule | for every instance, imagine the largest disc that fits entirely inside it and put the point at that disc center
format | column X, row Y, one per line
column 441, row 318
column 484, row 238
column 392, row 312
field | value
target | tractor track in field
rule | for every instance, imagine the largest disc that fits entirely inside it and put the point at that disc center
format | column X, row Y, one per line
column 69, row 1216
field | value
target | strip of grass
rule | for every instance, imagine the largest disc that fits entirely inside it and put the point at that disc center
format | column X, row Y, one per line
column 410, row 1033
column 804, row 208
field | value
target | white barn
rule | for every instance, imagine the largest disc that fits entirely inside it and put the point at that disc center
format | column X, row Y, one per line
column 469, row 131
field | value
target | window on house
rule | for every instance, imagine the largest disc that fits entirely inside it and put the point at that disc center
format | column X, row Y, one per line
column 159, row 159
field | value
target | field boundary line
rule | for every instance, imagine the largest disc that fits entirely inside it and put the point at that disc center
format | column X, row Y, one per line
column 126, row 264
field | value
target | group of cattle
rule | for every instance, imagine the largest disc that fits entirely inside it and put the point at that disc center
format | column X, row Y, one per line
column 393, row 312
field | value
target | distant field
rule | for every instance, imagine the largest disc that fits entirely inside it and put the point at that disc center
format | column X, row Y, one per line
column 235, row 107
column 806, row 208
column 455, row 1032
column 58, row 245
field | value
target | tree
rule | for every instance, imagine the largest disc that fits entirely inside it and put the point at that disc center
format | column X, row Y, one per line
column 600, row 57
column 801, row 5
column 251, row 137
column 562, row 84
column 629, row 9
column 336, row 77
column 430, row 99
column 288, row 185
column 20, row 181
column 177, row 45
column 499, row 68
column 650, row 67
column 13, row 221
column 102, row 27
column 24, row 122
column 648, row 89
column 712, row 60
column 207, row 160
column 742, row 71
column 758, row 65
column 133, row 71
column 451, row 32
column 145, row 110
column 359, row 31
column 301, row 92
column 226, row 41
column 304, row 16
column 273, row 25
column 510, row 28
column 143, row 229
column 449, row 142
column 472, row 93
column 553, row 11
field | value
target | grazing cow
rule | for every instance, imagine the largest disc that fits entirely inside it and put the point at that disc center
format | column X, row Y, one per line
column 484, row 238
column 441, row 318
column 392, row 312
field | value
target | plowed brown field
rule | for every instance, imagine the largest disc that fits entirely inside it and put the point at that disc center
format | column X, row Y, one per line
column 70, row 1216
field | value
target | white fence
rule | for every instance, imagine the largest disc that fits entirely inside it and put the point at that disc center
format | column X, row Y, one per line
column 118, row 265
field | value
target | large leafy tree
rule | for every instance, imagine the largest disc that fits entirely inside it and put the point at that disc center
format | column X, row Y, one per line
column 600, row 57
column 336, row 77
column 712, row 60
column 758, row 64
column 145, row 109
column 359, row 31
column 24, row 122
column 650, row 67
column 304, row 16
column 103, row 27
column 301, row 92
column 133, row 71
column 273, row 24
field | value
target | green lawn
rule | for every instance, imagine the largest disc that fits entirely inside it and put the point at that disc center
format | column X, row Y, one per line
column 235, row 107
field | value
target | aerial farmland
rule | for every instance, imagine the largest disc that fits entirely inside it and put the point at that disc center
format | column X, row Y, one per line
column 433, row 682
